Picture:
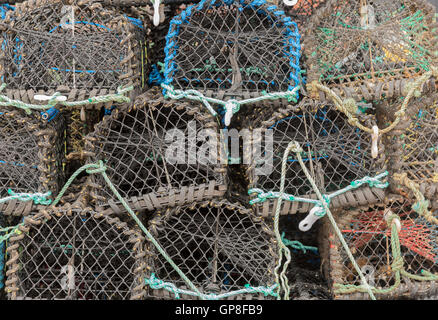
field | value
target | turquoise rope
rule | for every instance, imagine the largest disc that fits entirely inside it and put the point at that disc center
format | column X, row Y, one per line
column 156, row 283
column 297, row 245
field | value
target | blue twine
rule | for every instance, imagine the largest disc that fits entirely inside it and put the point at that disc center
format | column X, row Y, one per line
column 292, row 37
column 155, row 77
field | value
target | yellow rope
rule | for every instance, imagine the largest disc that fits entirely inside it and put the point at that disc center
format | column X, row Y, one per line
column 349, row 107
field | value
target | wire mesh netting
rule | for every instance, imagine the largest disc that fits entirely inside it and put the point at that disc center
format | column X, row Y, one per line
column 231, row 48
column 334, row 152
column 80, row 48
column 159, row 152
column 220, row 246
column 369, row 238
column 412, row 145
column 75, row 254
column 302, row 10
column 31, row 155
column 361, row 43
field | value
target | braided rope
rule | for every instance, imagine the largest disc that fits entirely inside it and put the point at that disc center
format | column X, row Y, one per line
column 396, row 266
column 37, row 198
column 349, row 106
column 100, row 168
column 53, row 101
column 297, row 245
column 231, row 106
column 421, row 206
column 295, row 147
column 373, row 182
column 156, row 283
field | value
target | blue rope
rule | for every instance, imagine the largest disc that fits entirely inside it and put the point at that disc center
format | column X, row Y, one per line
column 292, row 36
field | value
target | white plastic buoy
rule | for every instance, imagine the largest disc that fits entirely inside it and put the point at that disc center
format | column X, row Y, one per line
column 43, row 97
column 290, row 2
column 307, row 223
column 374, row 140
column 156, row 12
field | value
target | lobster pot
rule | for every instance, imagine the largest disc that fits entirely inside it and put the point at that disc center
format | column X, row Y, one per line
column 218, row 245
column 368, row 237
column 334, row 152
column 232, row 49
column 361, row 45
column 31, row 156
column 74, row 48
column 302, row 10
column 412, row 146
column 157, row 153
column 74, row 254
column 81, row 50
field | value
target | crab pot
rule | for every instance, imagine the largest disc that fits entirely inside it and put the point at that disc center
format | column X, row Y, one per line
column 368, row 237
column 334, row 152
column 157, row 153
column 412, row 147
column 232, row 48
column 361, row 45
column 31, row 156
column 218, row 245
column 73, row 254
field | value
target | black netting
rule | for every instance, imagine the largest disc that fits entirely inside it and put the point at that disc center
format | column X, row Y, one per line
column 31, row 151
column 220, row 247
column 232, row 46
column 139, row 147
column 335, row 153
column 75, row 255
column 48, row 44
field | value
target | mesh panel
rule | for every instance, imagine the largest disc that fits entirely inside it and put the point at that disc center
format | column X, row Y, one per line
column 358, row 43
column 31, row 153
column 141, row 161
column 75, row 255
column 219, row 246
column 234, row 47
column 369, row 239
column 79, row 46
column 334, row 152
column 412, row 145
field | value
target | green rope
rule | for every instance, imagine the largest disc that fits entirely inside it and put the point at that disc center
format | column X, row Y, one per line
column 231, row 106
column 373, row 182
column 396, row 266
column 99, row 167
column 281, row 246
column 114, row 97
column 155, row 283
column 323, row 200
column 6, row 233
column 297, row 245
column 37, row 198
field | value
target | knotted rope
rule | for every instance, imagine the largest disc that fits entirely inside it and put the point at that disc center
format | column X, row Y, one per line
column 156, row 283
column 350, row 108
column 297, row 245
column 393, row 221
column 100, row 168
column 295, row 147
column 421, row 206
column 53, row 100
column 231, row 106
